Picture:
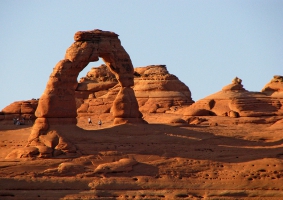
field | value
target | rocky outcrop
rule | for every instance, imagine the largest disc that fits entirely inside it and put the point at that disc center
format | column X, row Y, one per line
column 58, row 99
column 156, row 90
column 159, row 91
column 275, row 87
column 58, row 104
column 234, row 101
column 96, row 82
column 122, row 165
column 20, row 109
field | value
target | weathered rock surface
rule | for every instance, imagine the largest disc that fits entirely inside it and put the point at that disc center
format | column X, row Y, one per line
column 25, row 152
column 96, row 82
column 122, row 165
column 234, row 101
column 159, row 91
column 20, row 109
column 58, row 103
column 156, row 91
column 58, row 99
column 275, row 87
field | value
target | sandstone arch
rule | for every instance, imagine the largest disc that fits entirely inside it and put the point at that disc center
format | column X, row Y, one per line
column 57, row 104
column 58, row 100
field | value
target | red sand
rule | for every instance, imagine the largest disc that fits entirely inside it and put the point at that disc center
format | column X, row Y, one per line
column 235, row 159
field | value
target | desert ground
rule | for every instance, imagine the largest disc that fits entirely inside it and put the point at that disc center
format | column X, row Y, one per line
column 221, row 158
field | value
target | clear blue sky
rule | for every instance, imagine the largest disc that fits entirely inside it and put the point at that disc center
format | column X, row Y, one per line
column 204, row 43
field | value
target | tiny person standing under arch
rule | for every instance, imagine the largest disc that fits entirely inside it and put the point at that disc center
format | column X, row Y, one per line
column 99, row 123
column 89, row 120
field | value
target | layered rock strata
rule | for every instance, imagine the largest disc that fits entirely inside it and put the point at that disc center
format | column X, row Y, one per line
column 275, row 87
column 234, row 101
column 156, row 90
column 19, row 109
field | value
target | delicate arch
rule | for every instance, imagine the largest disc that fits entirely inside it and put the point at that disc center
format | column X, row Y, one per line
column 58, row 99
column 57, row 105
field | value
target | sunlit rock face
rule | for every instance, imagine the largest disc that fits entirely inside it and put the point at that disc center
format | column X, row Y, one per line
column 159, row 91
column 234, row 101
column 274, row 87
column 19, row 109
column 58, row 105
column 58, row 99
column 156, row 91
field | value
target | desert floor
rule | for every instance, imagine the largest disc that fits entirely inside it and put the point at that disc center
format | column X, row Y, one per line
column 235, row 160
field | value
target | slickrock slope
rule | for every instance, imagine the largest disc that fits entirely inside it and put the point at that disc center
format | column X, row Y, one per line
column 234, row 101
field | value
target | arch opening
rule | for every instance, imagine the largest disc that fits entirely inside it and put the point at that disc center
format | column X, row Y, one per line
column 88, row 68
column 58, row 99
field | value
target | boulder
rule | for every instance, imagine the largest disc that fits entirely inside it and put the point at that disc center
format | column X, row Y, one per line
column 70, row 168
column 123, row 165
column 25, row 152
column 44, row 151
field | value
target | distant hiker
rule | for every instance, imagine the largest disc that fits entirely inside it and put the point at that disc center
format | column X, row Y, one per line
column 18, row 121
column 89, row 121
column 99, row 123
column 15, row 120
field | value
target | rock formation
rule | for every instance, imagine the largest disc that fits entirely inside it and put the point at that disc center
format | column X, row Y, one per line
column 275, row 87
column 58, row 99
column 19, row 109
column 58, row 105
column 122, row 165
column 97, row 82
column 156, row 90
column 234, row 101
